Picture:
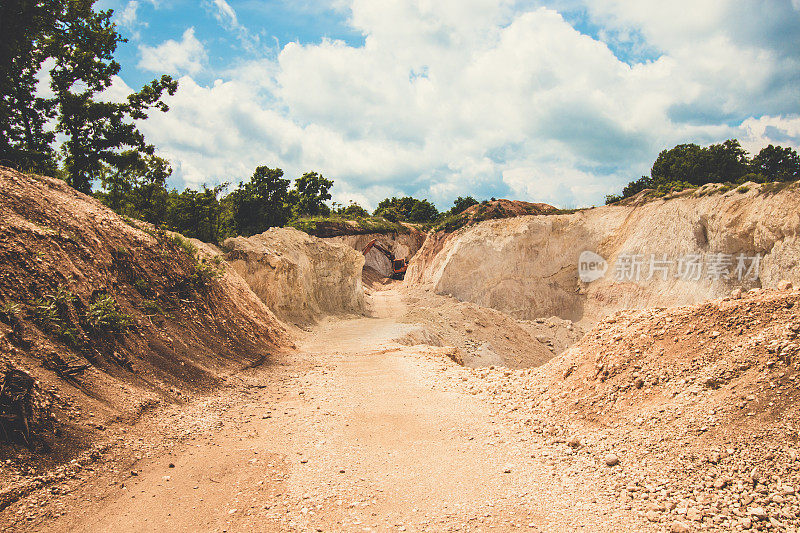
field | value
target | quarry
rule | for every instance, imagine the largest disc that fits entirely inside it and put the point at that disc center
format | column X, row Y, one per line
column 283, row 381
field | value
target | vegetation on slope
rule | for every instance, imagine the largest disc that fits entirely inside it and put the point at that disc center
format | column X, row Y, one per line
column 689, row 166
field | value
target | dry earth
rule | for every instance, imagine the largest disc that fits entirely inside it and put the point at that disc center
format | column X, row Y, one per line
column 351, row 432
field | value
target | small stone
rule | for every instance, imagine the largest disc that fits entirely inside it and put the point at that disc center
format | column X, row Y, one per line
column 574, row 442
column 785, row 285
column 134, row 473
column 653, row 516
column 172, row 465
column 758, row 513
column 736, row 294
column 678, row 527
column 694, row 514
column 507, row 469
column 611, row 459
column 746, row 523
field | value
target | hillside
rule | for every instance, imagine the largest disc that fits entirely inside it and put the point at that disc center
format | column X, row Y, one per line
column 697, row 403
column 528, row 266
column 491, row 210
column 111, row 318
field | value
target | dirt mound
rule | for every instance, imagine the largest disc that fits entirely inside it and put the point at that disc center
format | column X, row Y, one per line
column 494, row 209
column 300, row 277
column 699, row 403
column 113, row 317
column 486, row 337
column 662, row 252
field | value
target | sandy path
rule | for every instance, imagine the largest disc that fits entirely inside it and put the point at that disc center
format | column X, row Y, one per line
column 355, row 433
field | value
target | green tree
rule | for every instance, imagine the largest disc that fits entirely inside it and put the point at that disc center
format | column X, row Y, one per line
column 406, row 209
column 197, row 214
column 352, row 211
column 310, row 193
column 423, row 211
column 684, row 162
column 462, row 203
column 97, row 135
column 25, row 141
column 261, row 203
column 777, row 163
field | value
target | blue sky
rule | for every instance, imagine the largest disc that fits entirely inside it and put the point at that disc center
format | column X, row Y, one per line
column 561, row 101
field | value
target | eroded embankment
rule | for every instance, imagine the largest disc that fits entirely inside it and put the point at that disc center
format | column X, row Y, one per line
column 299, row 277
column 528, row 266
column 112, row 317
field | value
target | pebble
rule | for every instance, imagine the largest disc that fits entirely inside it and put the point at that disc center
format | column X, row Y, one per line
column 611, row 459
column 758, row 513
column 693, row 514
column 678, row 527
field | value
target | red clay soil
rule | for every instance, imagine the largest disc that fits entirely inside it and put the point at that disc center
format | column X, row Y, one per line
column 169, row 328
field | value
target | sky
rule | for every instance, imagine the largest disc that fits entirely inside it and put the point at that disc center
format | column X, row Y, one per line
column 561, row 102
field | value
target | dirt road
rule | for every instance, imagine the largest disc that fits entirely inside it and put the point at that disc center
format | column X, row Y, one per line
column 354, row 432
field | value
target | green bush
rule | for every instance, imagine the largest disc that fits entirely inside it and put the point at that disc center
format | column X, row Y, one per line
column 104, row 315
column 207, row 270
column 9, row 313
column 151, row 307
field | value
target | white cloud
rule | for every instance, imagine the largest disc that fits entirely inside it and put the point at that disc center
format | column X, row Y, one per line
column 225, row 13
column 174, row 57
column 128, row 16
column 462, row 97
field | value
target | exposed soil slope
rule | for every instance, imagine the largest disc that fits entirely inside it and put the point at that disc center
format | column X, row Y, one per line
column 111, row 318
column 494, row 209
column 528, row 266
column 300, row 277
column 699, row 403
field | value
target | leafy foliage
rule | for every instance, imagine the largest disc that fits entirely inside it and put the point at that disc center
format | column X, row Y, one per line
column 310, row 194
column 261, row 203
column 104, row 315
column 98, row 136
column 197, row 214
column 462, row 203
column 407, row 209
column 689, row 165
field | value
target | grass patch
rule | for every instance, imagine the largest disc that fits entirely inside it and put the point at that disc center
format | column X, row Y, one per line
column 51, row 313
column 104, row 315
column 332, row 226
column 10, row 313
column 151, row 307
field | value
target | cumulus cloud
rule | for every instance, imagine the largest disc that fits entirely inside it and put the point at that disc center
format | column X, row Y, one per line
column 481, row 97
column 128, row 16
column 185, row 56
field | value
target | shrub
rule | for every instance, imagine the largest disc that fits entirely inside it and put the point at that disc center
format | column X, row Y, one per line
column 207, row 270
column 104, row 315
column 9, row 313
column 151, row 307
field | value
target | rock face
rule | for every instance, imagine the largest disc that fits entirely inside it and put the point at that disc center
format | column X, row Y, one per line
column 529, row 266
column 299, row 277
column 403, row 245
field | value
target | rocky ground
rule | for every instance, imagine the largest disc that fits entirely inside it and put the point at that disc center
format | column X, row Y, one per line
column 677, row 419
